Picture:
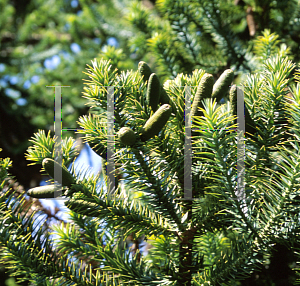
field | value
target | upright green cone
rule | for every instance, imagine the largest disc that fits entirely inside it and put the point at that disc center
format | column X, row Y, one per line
column 156, row 122
column 144, row 70
column 221, row 86
column 67, row 178
column 153, row 91
column 233, row 100
column 204, row 90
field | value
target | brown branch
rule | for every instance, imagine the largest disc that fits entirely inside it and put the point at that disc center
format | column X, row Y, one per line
column 250, row 21
column 186, row 257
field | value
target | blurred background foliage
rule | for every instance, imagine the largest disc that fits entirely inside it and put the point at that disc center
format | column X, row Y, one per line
column 50, row 42
column 47, row 43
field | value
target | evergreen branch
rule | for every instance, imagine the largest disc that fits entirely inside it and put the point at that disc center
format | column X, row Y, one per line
column 137, row 217
column 44, row 148
column 163, row 257
column 221, row 33
column 161, row 198
column 160, row 48
column 12, row 225
column 236, row 266
column 92, row 127
column 133, row 272
column 79, row 243
column 278, row 201
column 100, row 79
column 170, row 154
column 208, row 59
column 218, row 143
column 180, row 27
column 266, row 45
column 140, row 18
column 193, row 42
column 41, row 260
column 210, row 214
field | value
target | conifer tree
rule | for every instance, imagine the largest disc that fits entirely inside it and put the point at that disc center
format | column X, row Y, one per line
column 215, row 239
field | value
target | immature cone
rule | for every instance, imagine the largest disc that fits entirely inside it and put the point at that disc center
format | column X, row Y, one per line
column 204, row 90
column 233, row 100
column 221, row 86
column 67, row 178
column 126, row 136
column 44, row 192
column 156, row 122
column 153, row 91
column 144, row 70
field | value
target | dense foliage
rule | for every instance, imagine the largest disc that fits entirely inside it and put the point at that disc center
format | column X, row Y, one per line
column 215, row 239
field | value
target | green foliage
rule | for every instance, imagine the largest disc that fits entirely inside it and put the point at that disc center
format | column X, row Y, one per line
column 219, row 237
column 213, row 35
column 268, row 44
column 156, row 122
column 91, row 126
column 44, row 191
column 5, row 165
column 34, row 32
column 153, row 91
column 44, row 148
column 42, row 45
